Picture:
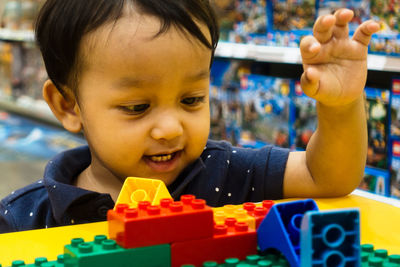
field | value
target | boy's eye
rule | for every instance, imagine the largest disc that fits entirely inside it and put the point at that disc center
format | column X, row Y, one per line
column 135, row 109
column 191, row 101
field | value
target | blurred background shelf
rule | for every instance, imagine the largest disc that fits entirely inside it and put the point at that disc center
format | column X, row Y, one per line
column 291, row 55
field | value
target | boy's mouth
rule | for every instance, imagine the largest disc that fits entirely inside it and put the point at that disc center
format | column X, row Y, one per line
column 162, row 157
column 159, row 158
column 163, row 162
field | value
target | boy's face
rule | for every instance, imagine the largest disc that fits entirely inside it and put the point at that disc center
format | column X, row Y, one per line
column 144, row 100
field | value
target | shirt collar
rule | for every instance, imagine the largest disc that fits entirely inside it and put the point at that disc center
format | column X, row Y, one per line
column 59, row 176
column 186, row 176
column 64, row 168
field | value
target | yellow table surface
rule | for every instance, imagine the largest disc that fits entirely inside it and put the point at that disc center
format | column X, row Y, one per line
column 379, row 226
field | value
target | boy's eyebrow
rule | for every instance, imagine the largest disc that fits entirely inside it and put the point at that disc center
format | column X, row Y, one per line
column 202, row 74
column 128, row 82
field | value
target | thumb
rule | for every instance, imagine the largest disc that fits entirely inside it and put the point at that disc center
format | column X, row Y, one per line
column 310, row 80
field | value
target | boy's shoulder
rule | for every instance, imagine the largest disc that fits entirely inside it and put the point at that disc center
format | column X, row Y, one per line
column 21, row 207
column 218, row 145
column 242, row 152
column 25, row 193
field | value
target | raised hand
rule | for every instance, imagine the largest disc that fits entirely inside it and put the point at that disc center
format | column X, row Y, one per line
column 335, row 65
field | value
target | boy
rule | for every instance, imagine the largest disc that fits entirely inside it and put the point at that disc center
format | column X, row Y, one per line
column 134, row 77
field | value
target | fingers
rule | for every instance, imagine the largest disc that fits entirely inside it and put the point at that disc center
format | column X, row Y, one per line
column 310, row 82
column 309, row 47
column 343, row 17
column 364, row 32
column 333, row 25
column 323, row 28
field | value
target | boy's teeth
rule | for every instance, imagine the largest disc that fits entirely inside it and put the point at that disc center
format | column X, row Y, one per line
column 161, row 158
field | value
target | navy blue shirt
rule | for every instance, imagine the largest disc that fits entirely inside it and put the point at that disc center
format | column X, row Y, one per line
column 222, row 175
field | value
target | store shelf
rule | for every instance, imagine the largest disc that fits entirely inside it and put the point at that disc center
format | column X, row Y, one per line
column 17, row 35
column 288, row 55
column 37, row 110
column 291, row 55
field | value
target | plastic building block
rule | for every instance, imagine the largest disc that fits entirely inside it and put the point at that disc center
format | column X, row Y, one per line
column 43, row 262
column 281, row 228
column 106, row 252
column 272, row 259
column 233, row 211
column 170, row 222
column 258, row 211
column 233, row 239
column 330, row 238
column 379, row 257
column 249, row 212
column 17, row 263
column 142, row 189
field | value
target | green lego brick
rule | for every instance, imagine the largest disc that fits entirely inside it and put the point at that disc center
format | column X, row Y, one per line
column 269, row 259
column 106, row 252
column 395, row 259
column 210, row 264
column 371, row 257
column 17, row 263
column 43, row 262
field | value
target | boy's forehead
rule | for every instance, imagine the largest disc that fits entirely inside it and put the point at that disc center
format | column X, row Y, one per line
column 134, row 30
column 132, row 44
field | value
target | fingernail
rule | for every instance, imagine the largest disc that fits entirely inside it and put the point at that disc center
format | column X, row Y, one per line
column 314, row 46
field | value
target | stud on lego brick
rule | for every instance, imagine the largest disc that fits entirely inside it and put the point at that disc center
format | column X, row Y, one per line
column 43, row 262
column 280, row 229
column 106, row 252
column 233, row 211
column 142, row 189
column 18, row 263
column 379, row 257
column 257, row 211
column 330, row 238
column 170, row 222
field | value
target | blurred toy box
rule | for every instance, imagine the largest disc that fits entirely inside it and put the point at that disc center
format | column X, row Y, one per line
column 242, row 21
column 378, row 112
column 291, row 15
column 225, row 109
column 305, row 118
column 361, row 9
column 19, row 14
column 395, row 138
column 386, row 41
column 22, row 70
column 265, row 104
column 376, row 181
column 387, row 44
column 386, row 13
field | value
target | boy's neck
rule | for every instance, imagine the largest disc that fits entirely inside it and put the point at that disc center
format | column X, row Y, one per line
column 87, row 180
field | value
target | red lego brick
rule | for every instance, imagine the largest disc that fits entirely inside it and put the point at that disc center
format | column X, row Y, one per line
column 169, row 222
column 258, row 212
column 231, row 240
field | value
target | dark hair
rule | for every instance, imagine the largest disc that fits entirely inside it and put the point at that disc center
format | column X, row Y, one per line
column 61, row 25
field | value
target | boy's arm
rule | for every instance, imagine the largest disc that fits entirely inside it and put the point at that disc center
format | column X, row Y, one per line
column 335, row 70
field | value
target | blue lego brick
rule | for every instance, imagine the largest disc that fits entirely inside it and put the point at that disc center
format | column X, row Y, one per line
column 103, row 252
column 281, row 228
column 330, row 238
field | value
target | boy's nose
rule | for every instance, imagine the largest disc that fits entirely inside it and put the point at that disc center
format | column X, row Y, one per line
column 167, row 128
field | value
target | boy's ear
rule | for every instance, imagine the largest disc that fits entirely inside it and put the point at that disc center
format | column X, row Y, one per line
column 66, row 110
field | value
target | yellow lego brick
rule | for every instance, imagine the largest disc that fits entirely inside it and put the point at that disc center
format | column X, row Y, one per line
column 142, row 189
column 233, row 211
